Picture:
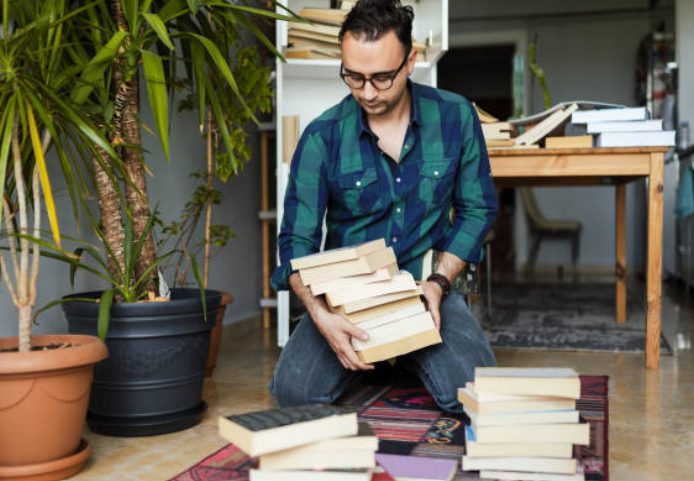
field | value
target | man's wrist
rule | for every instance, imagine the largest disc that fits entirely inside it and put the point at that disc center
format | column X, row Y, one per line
column 442, row 281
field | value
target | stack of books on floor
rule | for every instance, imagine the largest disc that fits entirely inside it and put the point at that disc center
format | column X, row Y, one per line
column 363, row 284
column 523, row 424
column 304, row 443
column 319, row 39
column 626, row 127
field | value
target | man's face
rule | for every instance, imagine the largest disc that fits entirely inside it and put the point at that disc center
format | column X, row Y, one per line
column 377, row 60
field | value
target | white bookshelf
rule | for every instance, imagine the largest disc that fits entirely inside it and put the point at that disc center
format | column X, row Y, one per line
column 308, row 87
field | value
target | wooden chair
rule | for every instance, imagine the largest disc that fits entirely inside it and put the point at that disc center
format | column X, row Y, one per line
column 543, row 228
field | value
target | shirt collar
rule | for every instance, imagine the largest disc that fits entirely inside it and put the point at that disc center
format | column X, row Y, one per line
column 415, row 119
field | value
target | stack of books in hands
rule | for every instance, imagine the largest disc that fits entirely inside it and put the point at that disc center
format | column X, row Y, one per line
column 363, row 284
column 524, row 424
column 304, row 443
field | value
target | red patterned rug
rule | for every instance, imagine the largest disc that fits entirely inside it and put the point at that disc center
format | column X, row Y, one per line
column 407, row 421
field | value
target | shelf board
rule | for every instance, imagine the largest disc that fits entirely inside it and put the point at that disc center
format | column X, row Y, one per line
column 328, row 68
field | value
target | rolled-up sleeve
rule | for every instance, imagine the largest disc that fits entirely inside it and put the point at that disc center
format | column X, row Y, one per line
column 305, row 202
column 474, row 199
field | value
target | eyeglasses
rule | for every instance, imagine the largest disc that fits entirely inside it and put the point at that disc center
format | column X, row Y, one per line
column 379, row 81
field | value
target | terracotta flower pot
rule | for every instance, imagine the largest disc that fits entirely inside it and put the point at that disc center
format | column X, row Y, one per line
column 43, row 400
column 216, row 334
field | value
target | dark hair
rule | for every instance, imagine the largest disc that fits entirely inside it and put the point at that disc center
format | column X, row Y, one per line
column 373, row 18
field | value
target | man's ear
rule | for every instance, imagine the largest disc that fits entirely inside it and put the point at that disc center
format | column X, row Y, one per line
column 411, row 59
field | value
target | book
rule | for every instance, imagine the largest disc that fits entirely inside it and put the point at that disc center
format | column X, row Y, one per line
column 570, row 141
column 310, row 52
column 366, row 264
column 273, row 430
column 392, row 331
column 352, row 307
column 409, row 311
column 331, row 16
column 317, row 36
column 484, row 116
column 290, row 137
column 392, row 309
column 521, row 476
column 344, row 452
column 549, row 450
column 401, row 346
column 664, row 138
column 499, row 143
column 526, row 464
column 533, row 134
column 339, row 254
column 537, row 417
column 609, row 115
column 383, row 274
column 403, row 281
column 587, row 105
column 493, row 403
column 417, row 468
column 559, row 382
column 311, row 475
column 625, row 126
column 532, row 433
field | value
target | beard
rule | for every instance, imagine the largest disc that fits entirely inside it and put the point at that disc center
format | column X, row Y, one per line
column 382, row 106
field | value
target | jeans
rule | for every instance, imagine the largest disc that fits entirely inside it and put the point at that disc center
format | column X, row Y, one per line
column 308, row 370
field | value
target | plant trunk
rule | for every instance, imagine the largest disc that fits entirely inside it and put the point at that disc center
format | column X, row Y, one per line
column 127, row 128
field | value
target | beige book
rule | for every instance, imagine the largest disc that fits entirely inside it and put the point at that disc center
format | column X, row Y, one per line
column 312, row 43
column 392, row 331
column 558, row 382
column 529, row 464
column 492, row 403
column 340, row 254
column 514, row 147
column 376, row 301
column 401, row 346
column 522, row 476
column 309, row 52
column 499, row 143
column 546, row 126
column 507, row 419
column 548, row 450
column 380, row 275
column 402, row 281
column 382, row 310
column 415, row 309
column 571, row 141
column 319, row 37
column 331, row 16
column 328, row 30
column 290, row 137
column 366, row 264
column 534, row 433
column 484, row 116
column 347, row 4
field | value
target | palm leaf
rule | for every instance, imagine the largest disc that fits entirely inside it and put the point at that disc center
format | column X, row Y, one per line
column 156, row 92
column 104, row 318
column 159, row 28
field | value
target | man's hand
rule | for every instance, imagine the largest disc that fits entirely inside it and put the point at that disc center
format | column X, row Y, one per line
column 338, row 331
column 432, row 295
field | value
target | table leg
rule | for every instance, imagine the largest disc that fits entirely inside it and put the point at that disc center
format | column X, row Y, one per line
column 654, row 261
column 621, row 253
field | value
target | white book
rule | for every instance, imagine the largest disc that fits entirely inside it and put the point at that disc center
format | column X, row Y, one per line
column 547, row 450
column 665, row 138
column 627, row 126
column 392, row 317
column 380, row 275
column 567, row 416
column 521, row 476
column 559, row 382
column 494, row 403
column 305, row 475
column 395, row 330
column 400, row 282
column 526, row 464
column 609, row 115
column 533, row 433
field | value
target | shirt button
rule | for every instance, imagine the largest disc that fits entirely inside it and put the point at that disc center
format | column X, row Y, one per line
column 395, row 239
column 397, row 209
column 358, row 183
column 398, row 180
column 436, row 172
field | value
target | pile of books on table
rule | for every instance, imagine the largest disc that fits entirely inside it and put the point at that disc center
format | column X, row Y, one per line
column 304, row 443
column 363, row 284
column 628, row 127
column 524, row 424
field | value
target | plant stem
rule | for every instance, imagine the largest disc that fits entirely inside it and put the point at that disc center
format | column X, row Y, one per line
column 208, row 211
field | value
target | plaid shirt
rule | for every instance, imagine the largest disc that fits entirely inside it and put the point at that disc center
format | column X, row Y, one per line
column 339, row 172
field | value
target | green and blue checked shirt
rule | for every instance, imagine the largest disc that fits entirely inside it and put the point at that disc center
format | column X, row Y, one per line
column 339, row 172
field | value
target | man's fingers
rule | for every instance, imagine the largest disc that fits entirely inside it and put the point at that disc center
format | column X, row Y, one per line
column 436, row 316
column 360, row 334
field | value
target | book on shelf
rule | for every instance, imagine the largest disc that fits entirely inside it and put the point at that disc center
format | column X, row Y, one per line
column 663, row 138
column 625, row 126
column 330, row 16
column 523, row 476
column 310, row 53
column 263, row 432
column 343, row 452
column 356, row 306
column 558, row 382
column 532, row 433
column 496, row 403
column 609, row 115
column 402, row 281
column 539, row 449
column 357, row 474
column 410, row 305
column 417, row 468
column 339, row 254
column 307, row 35
column 569, row 141
column 383, row 274
column 326, row 30
column 366, row 264
column 521, row 463
column 290, row 137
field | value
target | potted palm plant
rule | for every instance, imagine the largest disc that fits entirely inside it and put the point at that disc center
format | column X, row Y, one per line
column 44, row 380
column 158, row 343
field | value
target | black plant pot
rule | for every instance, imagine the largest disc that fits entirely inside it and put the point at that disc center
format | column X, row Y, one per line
column 152, row 381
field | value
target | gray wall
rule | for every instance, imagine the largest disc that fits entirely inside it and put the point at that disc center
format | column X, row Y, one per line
column 236, row 268
column 590, row 55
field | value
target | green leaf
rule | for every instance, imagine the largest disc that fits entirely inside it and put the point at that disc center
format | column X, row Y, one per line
column 159, row 28
column 94, row 70
column 130, row 9
column 8, row 121
column 156, row 92
column 128, row 257
column 256, row 11
column 194, row 5
column 104, row 313
column 74, row 266
column 253, row 28
column 145, row 6
column 198, row 59
column 172, row 9
column 201, row 284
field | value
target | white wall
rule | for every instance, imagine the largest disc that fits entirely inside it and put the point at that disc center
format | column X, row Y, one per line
column 587, row 56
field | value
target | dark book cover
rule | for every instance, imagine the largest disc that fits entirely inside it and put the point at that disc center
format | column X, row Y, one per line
column 274, row 418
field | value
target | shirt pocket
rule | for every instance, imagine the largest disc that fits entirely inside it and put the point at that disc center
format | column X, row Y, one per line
column 436, row 180
column 359, row 192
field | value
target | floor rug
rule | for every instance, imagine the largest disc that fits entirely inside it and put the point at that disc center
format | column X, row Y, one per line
column 562, row 316
column 407, row 421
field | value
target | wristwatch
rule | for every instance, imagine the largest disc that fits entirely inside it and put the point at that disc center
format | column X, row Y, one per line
column 442, row 281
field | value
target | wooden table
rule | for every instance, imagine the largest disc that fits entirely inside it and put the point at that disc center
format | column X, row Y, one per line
column 601, row 166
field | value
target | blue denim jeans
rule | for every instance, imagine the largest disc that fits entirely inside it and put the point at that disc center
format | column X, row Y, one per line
column 308, row 370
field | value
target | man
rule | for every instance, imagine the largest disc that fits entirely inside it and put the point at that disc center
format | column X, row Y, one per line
column 389, row 161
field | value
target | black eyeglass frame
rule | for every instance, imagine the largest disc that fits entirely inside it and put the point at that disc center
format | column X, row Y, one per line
column 393, row 75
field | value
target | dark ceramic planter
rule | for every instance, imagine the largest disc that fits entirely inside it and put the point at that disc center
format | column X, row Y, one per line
column 152, row 381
